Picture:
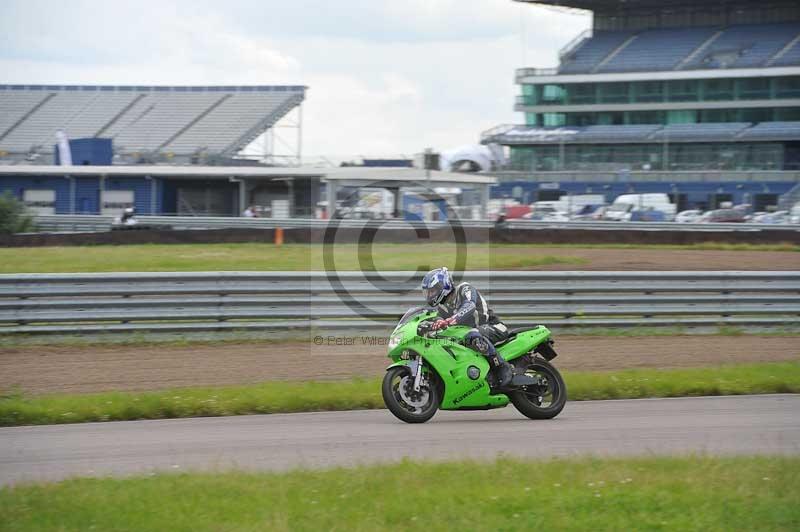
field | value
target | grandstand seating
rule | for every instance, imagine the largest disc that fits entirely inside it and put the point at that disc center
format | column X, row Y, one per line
column 181, row 120
column 229, row 114
column 14, row 109
column 790, row 57
column 592, row 50
column 660, row 49
column 153, row 120
column 53, row 114
column 523, row 134
column 748, row 46
column 771, row 130
column 740, row 46
column 619, row 133
column 705, row 131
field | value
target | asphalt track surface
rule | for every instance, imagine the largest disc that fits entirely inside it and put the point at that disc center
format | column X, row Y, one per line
column 767, row 424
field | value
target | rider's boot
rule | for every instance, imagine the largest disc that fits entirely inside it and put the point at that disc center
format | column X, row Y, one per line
column 502, row 369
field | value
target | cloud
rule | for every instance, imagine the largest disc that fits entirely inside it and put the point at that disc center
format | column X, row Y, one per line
column 385, row 78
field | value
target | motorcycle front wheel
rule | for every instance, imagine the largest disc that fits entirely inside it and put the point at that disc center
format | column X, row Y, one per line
column 405, row 403
column 545, row 400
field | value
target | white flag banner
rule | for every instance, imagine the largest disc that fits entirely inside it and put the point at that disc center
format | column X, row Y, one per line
column 64, row 153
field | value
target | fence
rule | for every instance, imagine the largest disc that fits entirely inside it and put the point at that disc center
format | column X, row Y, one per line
column 316, row 301
column 90, row 223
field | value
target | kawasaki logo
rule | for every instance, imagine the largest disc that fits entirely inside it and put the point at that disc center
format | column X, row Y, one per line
column 467, row 393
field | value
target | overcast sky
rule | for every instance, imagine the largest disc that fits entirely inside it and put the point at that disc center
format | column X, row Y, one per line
column 385, row 77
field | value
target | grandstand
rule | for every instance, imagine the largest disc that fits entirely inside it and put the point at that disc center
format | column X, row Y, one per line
column 740, row 46
column 657, row 92
column 146, row 123
column 176, row 151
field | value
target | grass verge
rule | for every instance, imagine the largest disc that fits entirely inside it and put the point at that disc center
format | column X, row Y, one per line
column 708, row 246
column 679, row 493
column 274, row 397
column 267, row 257
column 303, row 257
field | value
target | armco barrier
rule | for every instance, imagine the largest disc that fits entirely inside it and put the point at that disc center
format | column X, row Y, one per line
column 308, row 301
column 79, row 223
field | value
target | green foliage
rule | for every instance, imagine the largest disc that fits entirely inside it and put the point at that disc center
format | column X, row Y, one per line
column 274, row 396
column 698, row 246
column 267, row 257
column 679, row 493
column 309, row 257
column 13, row 216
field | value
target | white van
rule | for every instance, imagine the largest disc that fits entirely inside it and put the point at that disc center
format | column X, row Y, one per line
column 626, row 204
column 567, row 205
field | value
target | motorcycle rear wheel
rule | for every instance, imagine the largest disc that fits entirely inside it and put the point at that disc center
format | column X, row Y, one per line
column 420, row 406
column 531, row 401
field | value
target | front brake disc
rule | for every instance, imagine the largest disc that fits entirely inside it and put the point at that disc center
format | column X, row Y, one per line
column 409, row 396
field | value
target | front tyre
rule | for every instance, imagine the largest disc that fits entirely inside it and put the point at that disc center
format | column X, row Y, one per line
column 545, row 400
column 401, row 399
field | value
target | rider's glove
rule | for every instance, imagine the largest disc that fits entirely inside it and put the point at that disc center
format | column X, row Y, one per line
column 442, row 324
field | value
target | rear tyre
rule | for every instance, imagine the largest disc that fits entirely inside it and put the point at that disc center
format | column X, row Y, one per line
column 543, row 401
column 401, row 399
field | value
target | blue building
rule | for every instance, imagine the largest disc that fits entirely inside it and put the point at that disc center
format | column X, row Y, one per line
column 156, row 189
column 279, row 192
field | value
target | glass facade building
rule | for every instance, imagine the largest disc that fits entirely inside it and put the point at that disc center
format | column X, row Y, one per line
column 675, row 116
column 741, row 102
column 684, row 90
column 764, row 99
column 651, row 156
column 698, row 100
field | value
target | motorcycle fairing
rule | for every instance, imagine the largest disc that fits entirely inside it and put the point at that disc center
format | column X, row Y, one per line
column 523, row 343
column 452, row 361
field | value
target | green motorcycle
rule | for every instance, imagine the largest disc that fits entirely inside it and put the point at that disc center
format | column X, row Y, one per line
column 434, row 369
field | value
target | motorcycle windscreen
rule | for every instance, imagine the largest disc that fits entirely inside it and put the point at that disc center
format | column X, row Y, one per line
column 411, row 314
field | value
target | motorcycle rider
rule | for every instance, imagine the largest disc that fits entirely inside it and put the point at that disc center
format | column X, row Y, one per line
column 464, row 305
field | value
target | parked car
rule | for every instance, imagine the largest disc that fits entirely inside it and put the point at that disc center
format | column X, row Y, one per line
column 648, row 215
column 555, row 217
column 689, row 216
column 624, row 206
column 752, row 217
column 545, row 211
column 600, row 212
column 778, row 217
column 516, row 211
column 794, row 214
column 722, row 216
column 590, row 212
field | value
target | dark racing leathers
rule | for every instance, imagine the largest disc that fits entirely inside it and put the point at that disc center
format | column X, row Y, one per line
column 466, row 306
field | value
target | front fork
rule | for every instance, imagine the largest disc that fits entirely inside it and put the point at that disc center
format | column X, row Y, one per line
column 417, row 374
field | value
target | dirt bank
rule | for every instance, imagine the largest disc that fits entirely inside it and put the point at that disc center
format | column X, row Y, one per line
column 90, row 369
